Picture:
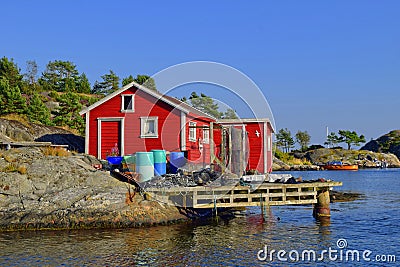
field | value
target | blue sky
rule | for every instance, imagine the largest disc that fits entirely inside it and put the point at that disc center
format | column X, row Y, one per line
column 318, row 63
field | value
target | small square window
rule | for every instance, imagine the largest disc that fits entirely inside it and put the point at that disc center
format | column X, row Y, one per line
column 149, row 127
column 127, row 103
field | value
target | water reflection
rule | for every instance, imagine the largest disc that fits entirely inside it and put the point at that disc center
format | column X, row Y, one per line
column 371, row 223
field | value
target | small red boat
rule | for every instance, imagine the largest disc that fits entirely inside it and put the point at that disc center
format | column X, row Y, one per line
column 339, row 166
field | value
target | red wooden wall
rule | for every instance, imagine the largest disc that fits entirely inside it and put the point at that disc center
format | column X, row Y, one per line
column 145, row 106
column 256, row 154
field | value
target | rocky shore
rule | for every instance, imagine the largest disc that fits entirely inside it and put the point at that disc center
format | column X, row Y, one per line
column 42, row 189
column 318, row 157
column 39, row 191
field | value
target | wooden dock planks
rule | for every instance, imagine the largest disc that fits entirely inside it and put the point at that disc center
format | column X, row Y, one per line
column 272, row 194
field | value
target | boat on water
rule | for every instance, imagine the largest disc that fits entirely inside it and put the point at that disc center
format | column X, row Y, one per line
column 338, row 165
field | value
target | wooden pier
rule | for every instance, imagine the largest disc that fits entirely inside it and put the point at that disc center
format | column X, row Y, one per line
column 265, row 194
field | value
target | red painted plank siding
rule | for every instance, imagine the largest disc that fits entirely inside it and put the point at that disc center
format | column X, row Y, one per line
column 256, row 155
column 145, row 105
column 109, row 109
column 110, row 137
column 269, row 148
column 195, row 154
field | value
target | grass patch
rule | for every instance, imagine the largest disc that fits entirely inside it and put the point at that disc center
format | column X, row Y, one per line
column 20, row 118
column 22, row 169
column 9, row 158
column 290, row 159
column 296, row 161
column 10, row 168
column 56, row 151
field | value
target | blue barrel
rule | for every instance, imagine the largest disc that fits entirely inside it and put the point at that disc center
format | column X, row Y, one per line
column 160, row 162
column 176, row 160
column 145, row 165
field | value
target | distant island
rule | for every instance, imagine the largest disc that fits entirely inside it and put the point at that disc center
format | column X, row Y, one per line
column 383, row 149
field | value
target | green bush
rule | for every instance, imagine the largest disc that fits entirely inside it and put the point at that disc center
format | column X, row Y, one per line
column 283, row 156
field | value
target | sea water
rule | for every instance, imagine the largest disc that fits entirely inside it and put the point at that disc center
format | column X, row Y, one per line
column 369, row 225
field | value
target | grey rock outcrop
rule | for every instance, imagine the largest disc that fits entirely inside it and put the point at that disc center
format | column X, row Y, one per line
column 50, row 192
column 389, row 142
column 11, row 130
column 362, row 158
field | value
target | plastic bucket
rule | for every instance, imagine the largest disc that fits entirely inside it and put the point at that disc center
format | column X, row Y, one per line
column 160, row 162
column 176, row 160
column 114, row 160
column 145, row 165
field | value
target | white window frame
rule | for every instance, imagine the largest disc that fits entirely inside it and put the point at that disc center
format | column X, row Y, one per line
column 123, row 103
column 192, row 132
column 269, row 143
column 206, row 135
column 143, row 121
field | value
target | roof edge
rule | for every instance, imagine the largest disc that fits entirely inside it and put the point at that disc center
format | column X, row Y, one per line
column 126, row 87
column 233, row 121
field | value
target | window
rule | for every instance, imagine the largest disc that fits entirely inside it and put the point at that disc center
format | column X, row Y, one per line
column 206, row 135
column 192, row 131
column 149, row 127
column 127, row 103
column 269, row 143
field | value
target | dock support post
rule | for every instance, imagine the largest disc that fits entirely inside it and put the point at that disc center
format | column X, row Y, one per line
column 215, row 206
column 216, row 218
column 263, row 208
column 322, row 209
column 264, row 205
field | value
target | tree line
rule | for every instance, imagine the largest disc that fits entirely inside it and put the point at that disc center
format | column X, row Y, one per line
column 29, row 94
column 207, row 105
column 286, row 142
column 32, row 95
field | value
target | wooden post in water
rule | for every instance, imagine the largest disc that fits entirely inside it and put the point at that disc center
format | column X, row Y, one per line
column 263, row 207
column 322, row 209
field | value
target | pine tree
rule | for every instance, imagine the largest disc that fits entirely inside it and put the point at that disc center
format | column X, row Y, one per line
column 109, row 84
column 68, row 113
column 146, row 81
column 37, row 110
column 127, row 80
column 10, row 71
column 11, row 98
column 284, row 139
column 83, row 84
column 60, row 76
column 303, row 138
column 205, row 104
column 230, row 114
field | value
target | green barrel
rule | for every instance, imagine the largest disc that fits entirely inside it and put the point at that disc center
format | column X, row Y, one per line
column 145, row 165
column 130, row 161
column 160, row 162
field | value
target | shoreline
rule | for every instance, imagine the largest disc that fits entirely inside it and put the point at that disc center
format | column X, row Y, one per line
column 137, row 219
column 46, row 192
column 305, row 169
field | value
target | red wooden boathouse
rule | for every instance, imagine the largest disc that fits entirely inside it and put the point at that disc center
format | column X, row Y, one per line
column 136, row 118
